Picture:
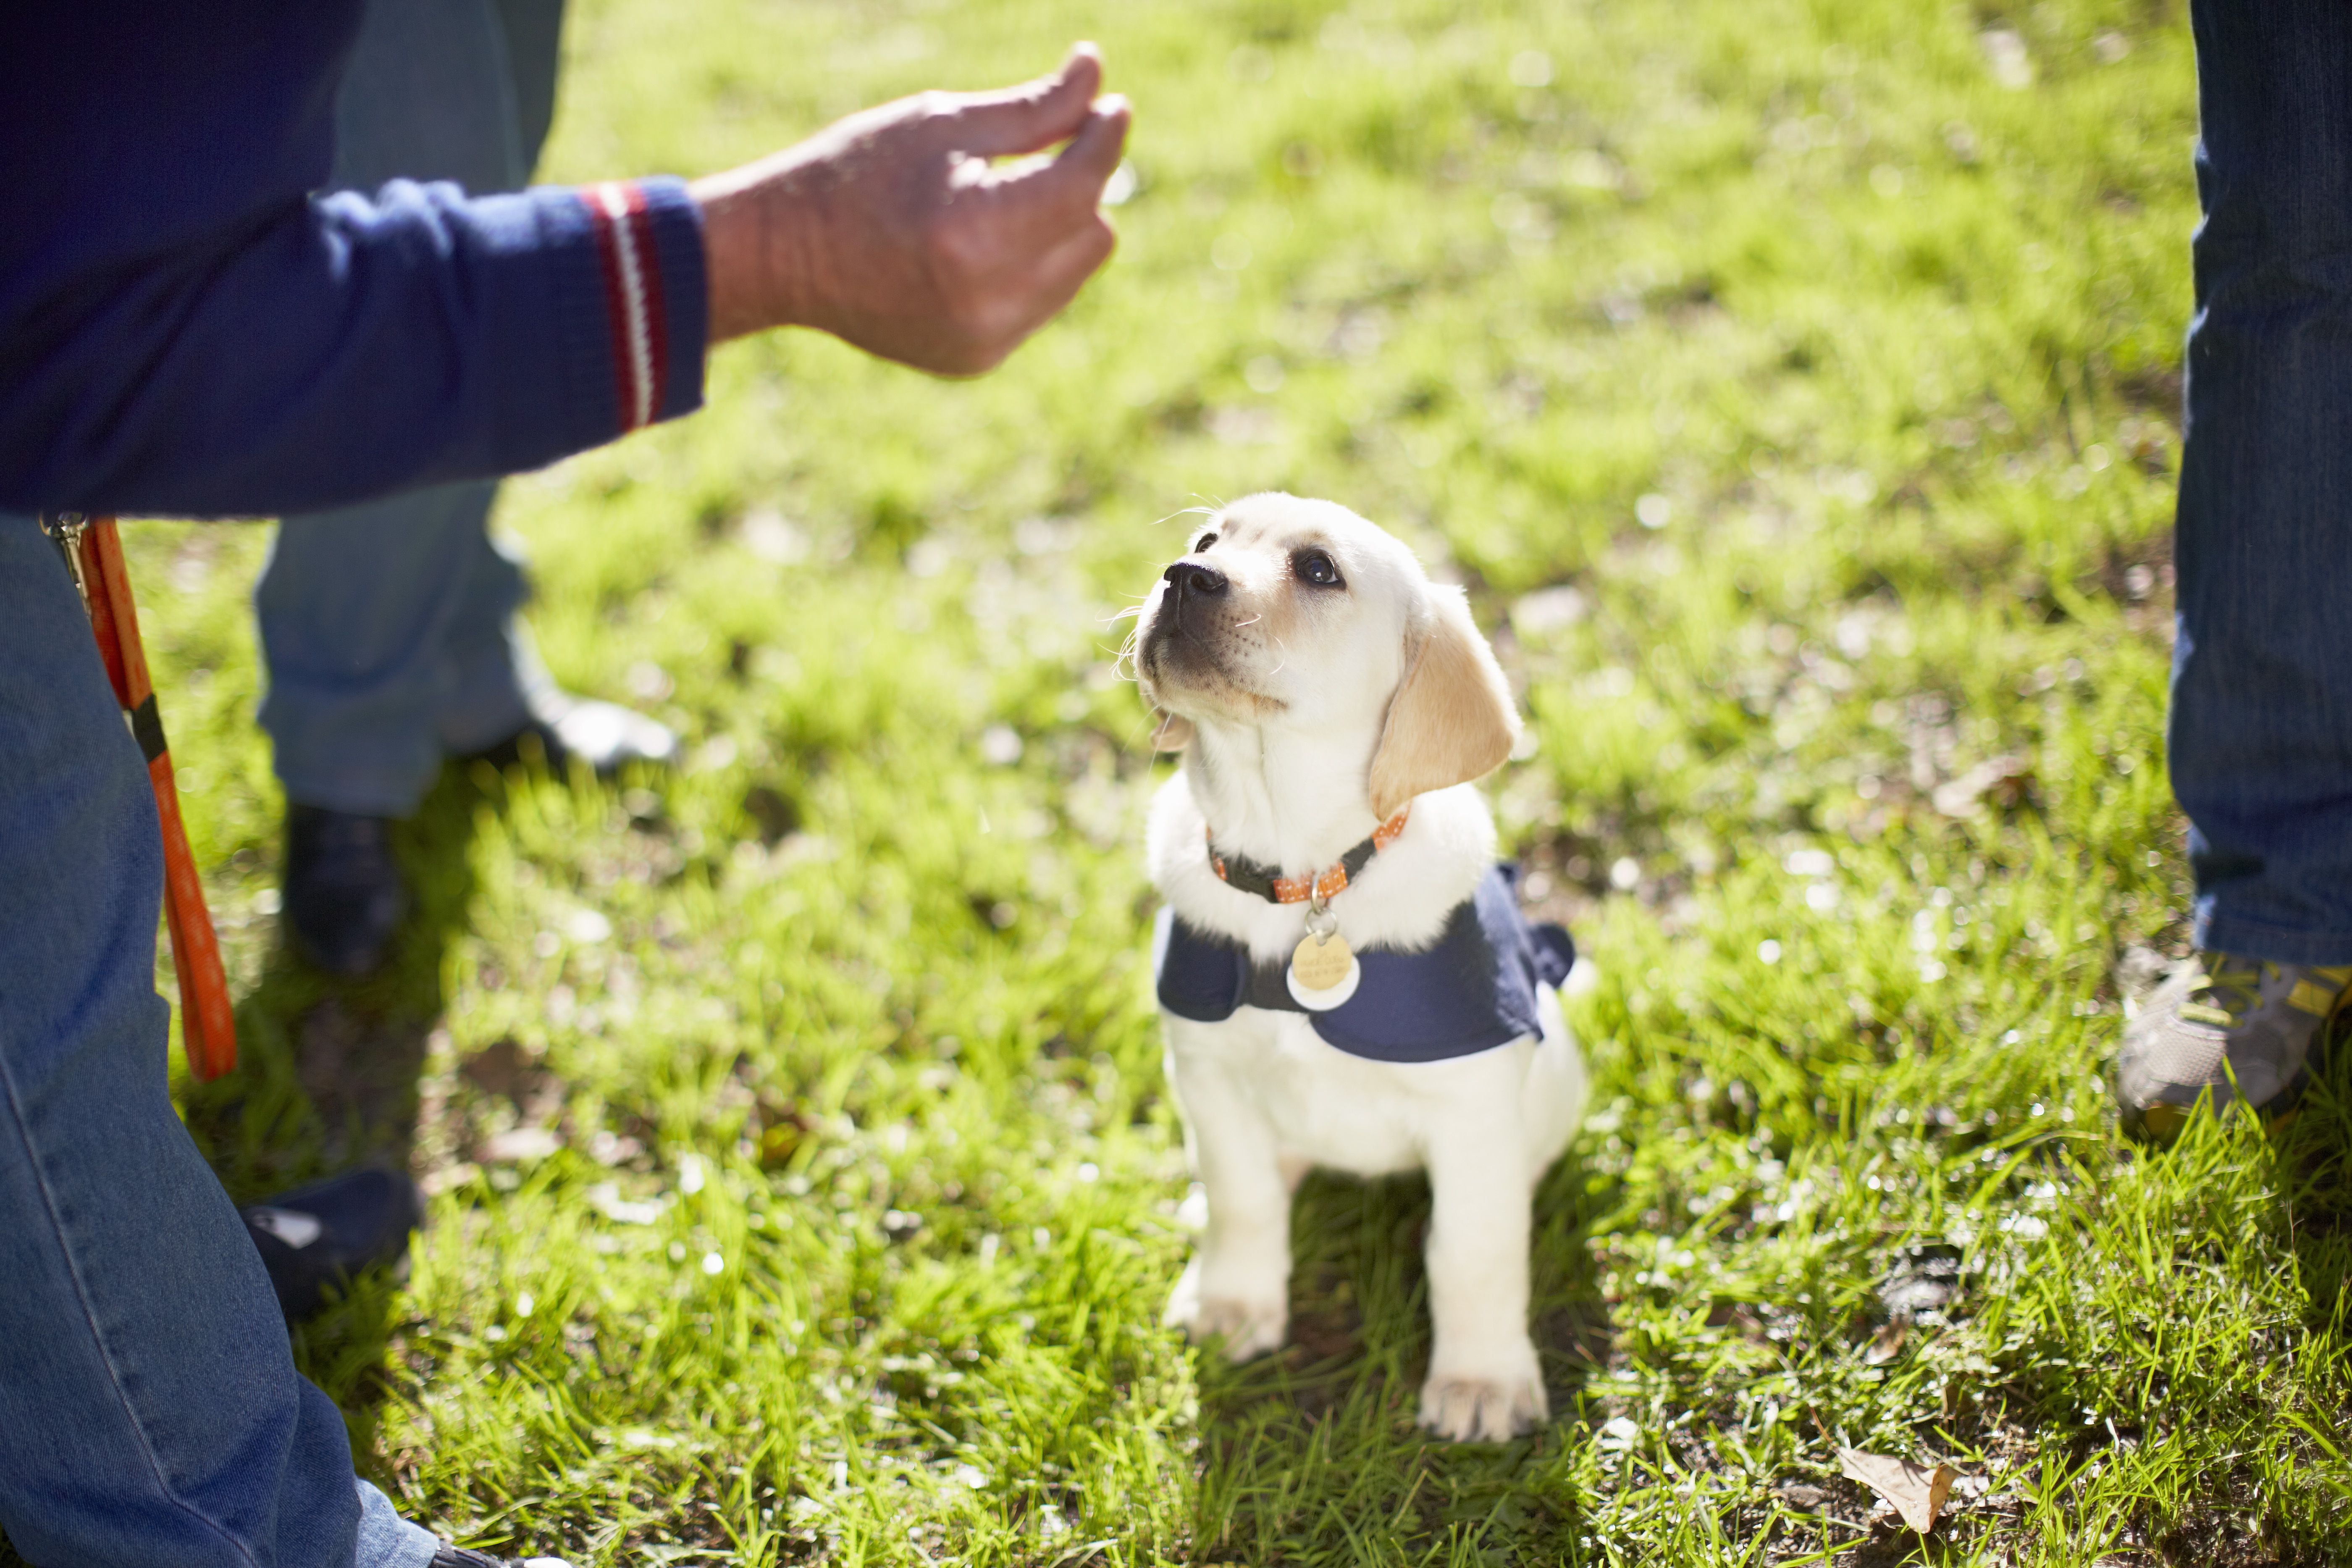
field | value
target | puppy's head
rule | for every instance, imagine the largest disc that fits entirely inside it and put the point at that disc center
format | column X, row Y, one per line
column 1299, row 615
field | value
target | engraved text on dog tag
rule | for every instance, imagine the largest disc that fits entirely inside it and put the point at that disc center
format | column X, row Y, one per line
column 1323, row 971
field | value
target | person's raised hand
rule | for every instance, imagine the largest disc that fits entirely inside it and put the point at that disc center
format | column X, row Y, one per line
column 891, row 229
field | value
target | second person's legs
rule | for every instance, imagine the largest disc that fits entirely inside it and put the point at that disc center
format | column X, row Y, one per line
column 381, row 624
column 2261, row 727
column 388, row 630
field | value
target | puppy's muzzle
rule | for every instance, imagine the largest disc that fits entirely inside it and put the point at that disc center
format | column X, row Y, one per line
column 1195, row 590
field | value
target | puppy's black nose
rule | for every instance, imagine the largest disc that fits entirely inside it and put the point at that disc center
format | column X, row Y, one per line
column 1193, row 577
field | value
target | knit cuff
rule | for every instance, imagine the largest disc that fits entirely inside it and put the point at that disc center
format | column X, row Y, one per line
column 635, row 295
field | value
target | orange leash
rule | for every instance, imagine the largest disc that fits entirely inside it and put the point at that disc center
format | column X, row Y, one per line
column 207, row 1027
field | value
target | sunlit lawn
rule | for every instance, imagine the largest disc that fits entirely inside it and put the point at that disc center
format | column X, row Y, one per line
column 1794, row 385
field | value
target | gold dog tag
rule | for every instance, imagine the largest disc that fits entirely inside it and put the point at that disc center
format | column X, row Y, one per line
column 1320, row 962
column 1323, row 968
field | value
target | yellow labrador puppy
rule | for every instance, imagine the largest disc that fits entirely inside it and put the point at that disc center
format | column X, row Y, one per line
column 1344, row 975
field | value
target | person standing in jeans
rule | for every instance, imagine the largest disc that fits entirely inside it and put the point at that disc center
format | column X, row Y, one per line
column 389, row 627
column 2261, row 727
column 189, row 328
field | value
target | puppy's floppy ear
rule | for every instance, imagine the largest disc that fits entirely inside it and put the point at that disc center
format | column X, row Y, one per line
column 1452, row 718
column 1173, row 733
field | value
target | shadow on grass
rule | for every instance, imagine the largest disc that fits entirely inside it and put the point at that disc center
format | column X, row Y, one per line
column 1313, row 1453
column 2235, row 1525
column 2316, row 1187
column 2316, row 1182
column 328, row 1076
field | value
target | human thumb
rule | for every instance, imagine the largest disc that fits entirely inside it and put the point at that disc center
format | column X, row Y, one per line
column 1034, row 115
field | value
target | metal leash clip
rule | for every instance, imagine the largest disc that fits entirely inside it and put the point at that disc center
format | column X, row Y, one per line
column 1321, row 923
column 65, row 529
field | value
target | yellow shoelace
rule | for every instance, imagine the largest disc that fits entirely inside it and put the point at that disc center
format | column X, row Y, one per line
column 2220, row 994
column 2226, row 992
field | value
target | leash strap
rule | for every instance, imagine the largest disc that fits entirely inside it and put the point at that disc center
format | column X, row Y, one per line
column 93, row 551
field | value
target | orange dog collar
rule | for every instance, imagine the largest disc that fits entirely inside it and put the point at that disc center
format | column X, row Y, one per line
column 1241, row 871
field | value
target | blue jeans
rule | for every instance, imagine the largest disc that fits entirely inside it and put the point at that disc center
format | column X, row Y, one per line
column 2261, row 730
column 149, row 1412
column 389, row 628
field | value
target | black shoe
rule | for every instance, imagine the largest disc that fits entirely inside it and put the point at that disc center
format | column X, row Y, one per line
column 462, row 1557
column 344, row 897
column 321, row 1235
column 604, row 735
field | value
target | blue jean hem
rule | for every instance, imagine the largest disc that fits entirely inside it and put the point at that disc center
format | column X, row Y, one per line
column 357, row 797
column 388, row 1541
column 2242, row 938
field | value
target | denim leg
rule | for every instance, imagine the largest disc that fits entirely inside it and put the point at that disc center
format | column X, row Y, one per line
column 357, row 610
column 2261, row 729
column 389, row 628
column 489, row 673
column 533, row 33
column 431, row 94
column 149, row 1412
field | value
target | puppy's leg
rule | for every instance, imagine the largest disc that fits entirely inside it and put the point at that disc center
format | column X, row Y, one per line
column 1552, row 1103
column 1237, row 1285
column 1483, row 1383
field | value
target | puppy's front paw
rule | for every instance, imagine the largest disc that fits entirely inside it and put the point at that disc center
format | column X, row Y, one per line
column 1249, row 1325
column 1484, row 1405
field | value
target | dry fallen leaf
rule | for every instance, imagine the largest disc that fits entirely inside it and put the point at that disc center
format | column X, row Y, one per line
column 1885, row 1344
column 1618, row 1435
column 1916, row 1492
column 520, row 1145
column 2006, row 781
column 449, row 1178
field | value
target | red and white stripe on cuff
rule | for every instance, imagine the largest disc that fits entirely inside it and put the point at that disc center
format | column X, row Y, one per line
column 633, row 296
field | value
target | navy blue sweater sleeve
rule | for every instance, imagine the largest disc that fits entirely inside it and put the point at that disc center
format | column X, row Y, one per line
column 188, row 328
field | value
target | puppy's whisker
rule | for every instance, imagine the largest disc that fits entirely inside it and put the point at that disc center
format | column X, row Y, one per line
column 1150, row 722
column 1123, row 663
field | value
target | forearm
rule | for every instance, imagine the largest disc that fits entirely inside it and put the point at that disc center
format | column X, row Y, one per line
column 352, row 348
column 190, row 334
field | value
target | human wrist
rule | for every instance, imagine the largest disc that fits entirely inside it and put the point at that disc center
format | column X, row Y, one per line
column 756, row 268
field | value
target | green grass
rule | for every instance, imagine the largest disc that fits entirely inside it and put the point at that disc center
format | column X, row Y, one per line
column 1848, row 773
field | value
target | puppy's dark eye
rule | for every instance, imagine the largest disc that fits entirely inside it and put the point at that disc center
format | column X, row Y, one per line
column 1203, row 543
column 1315, row 568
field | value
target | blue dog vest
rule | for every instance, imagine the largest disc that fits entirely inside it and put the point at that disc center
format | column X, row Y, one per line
column 1472, row 991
